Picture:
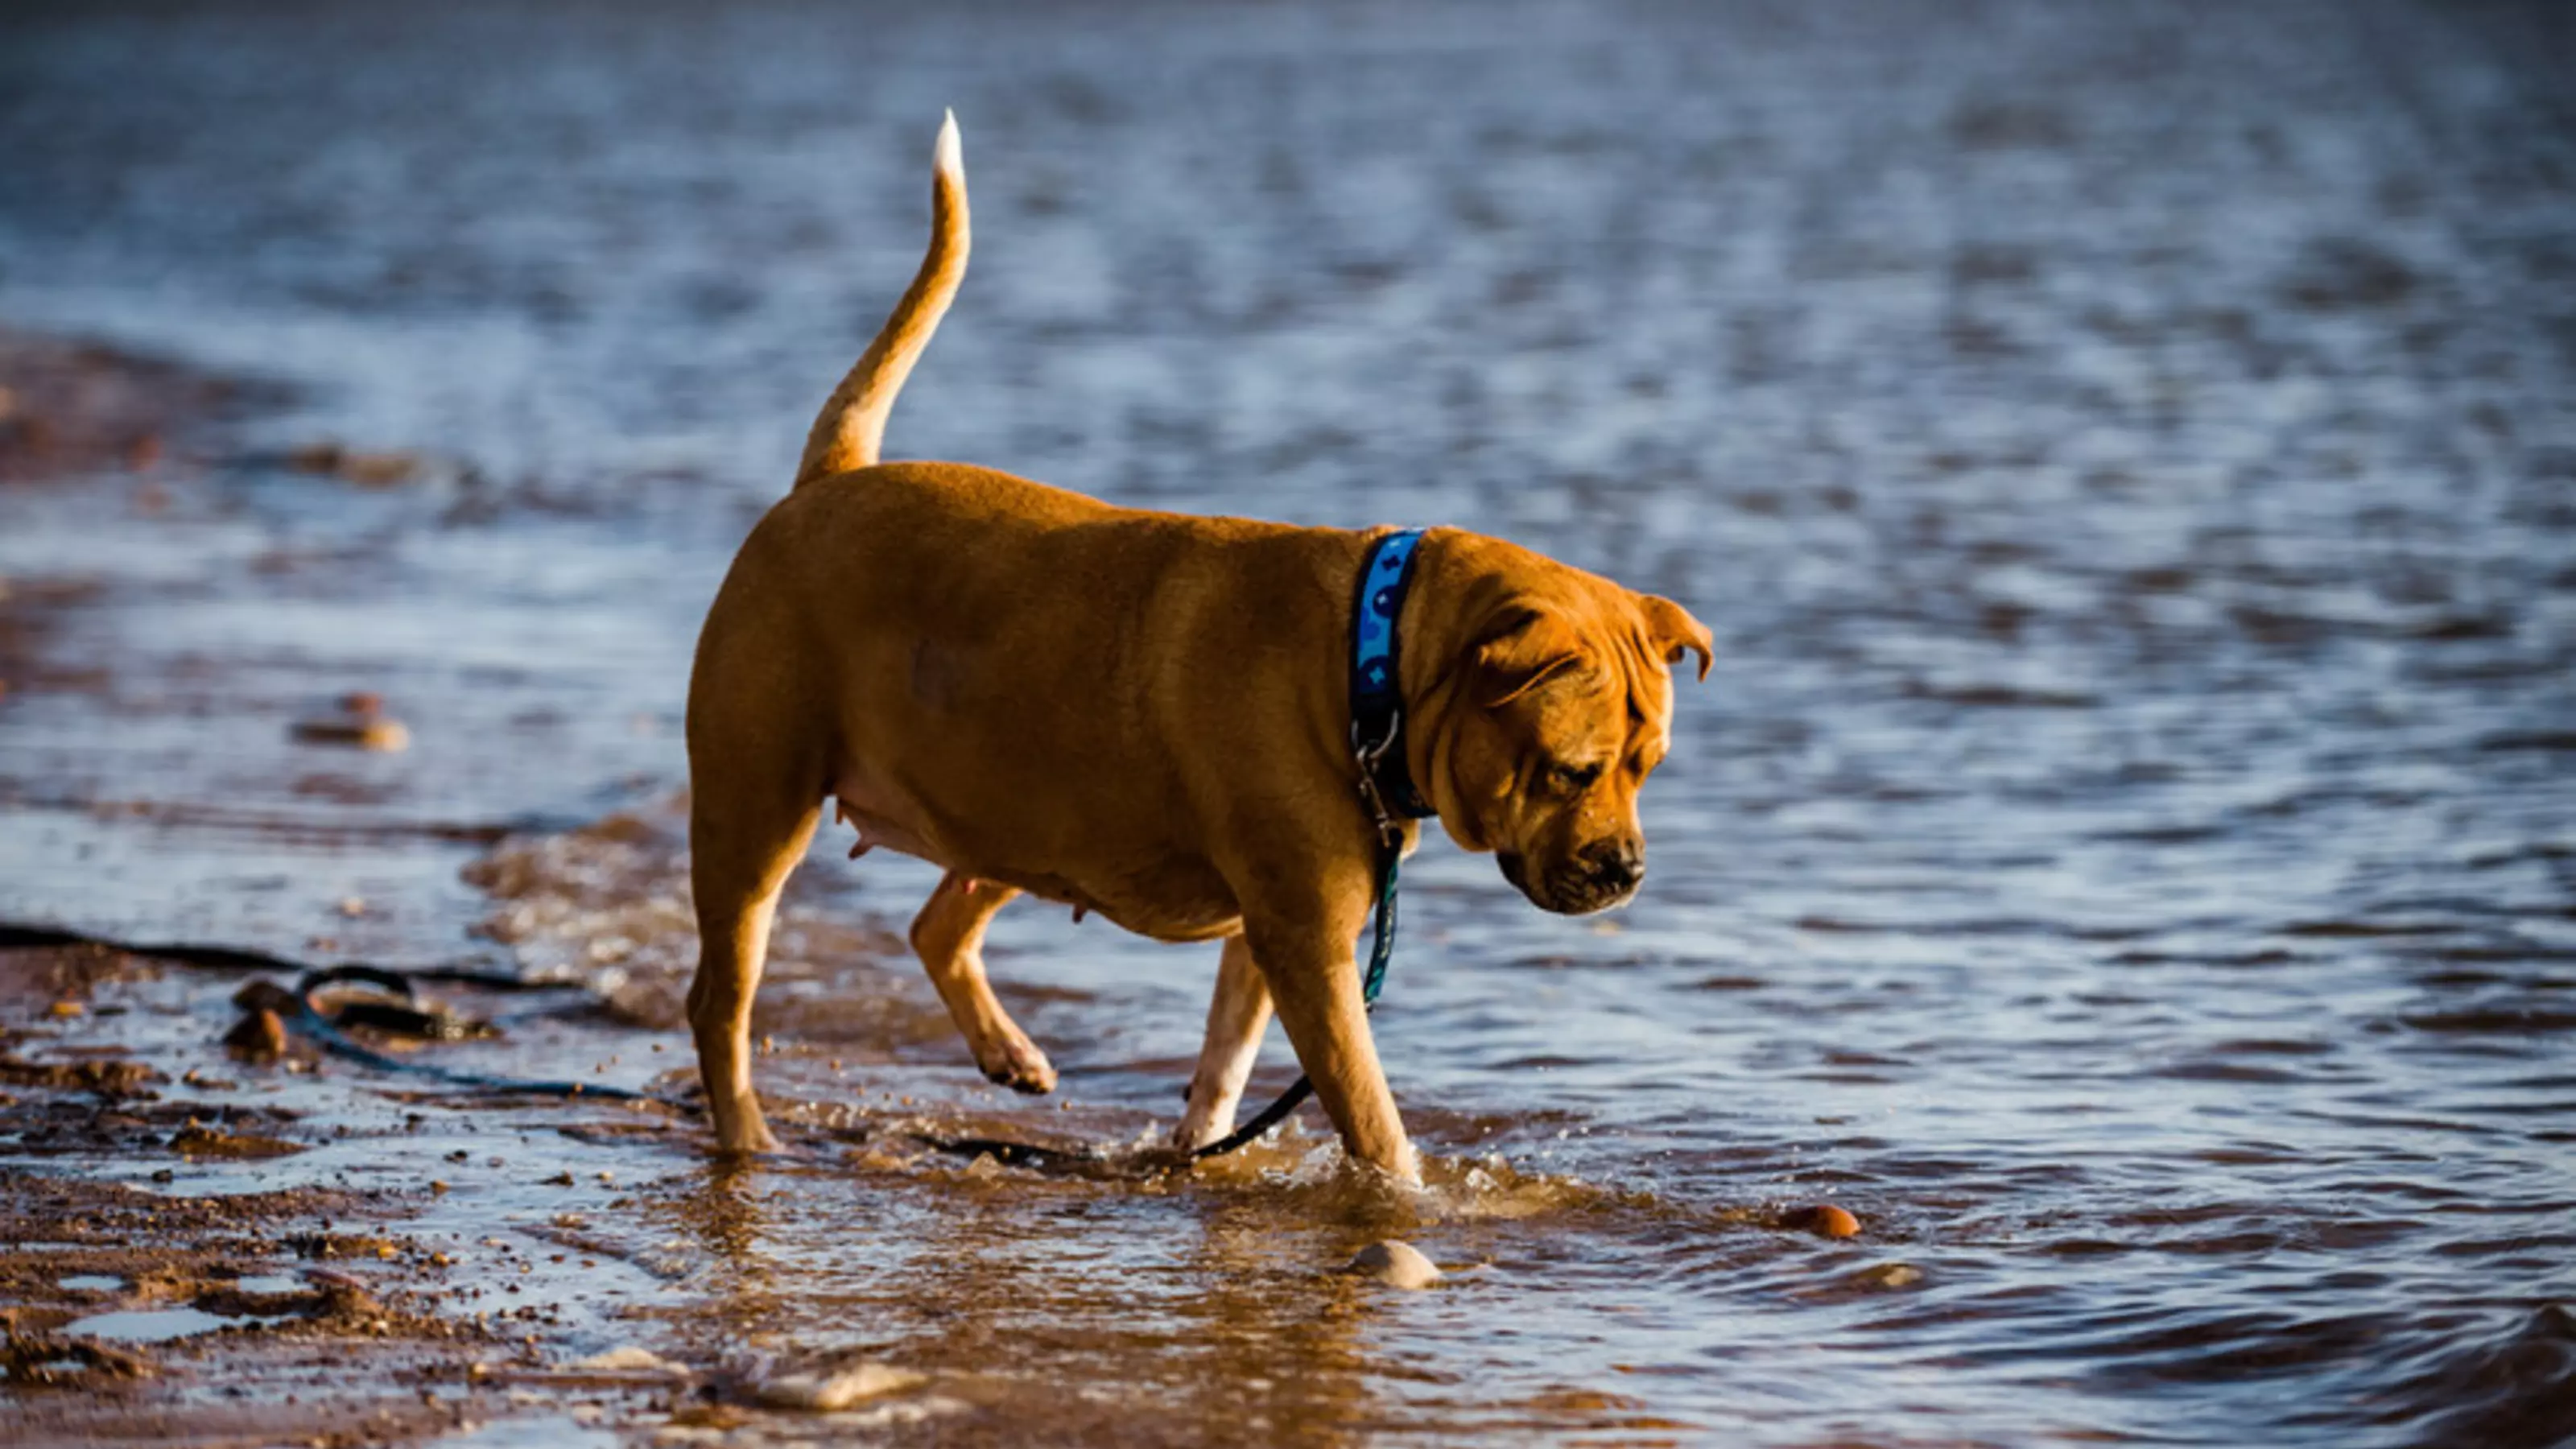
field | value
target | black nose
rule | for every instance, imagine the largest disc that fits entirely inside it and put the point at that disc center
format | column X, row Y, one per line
column 1618, row 865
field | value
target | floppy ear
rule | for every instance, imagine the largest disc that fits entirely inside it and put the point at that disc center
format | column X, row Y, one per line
column 1673, row 630
column 1530, row 649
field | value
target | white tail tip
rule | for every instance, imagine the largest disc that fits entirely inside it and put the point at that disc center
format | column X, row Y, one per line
column 951, row 155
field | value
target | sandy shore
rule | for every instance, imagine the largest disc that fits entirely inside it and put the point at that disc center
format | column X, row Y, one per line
column 177, row 1272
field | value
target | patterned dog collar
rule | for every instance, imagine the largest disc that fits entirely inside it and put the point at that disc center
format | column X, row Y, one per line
column 1377, row 699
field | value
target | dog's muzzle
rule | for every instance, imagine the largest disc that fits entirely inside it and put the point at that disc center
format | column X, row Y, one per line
column 1604, row 875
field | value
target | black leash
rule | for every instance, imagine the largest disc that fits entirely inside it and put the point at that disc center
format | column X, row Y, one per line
column 304, row 1017
column 300, row 1014
column 229, row 958
column 1386, row 779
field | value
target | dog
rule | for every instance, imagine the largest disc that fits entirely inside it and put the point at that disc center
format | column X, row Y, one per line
column 1138, row 714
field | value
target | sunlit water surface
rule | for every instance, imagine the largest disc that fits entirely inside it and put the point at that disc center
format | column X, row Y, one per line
column 2127, row 454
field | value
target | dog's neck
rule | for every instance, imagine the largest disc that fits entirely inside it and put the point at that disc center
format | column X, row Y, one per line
column 1445, row 606
column 1378, row 717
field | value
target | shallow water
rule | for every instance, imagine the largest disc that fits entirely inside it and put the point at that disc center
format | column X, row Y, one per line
column 157, row 1325
column 2127, row 455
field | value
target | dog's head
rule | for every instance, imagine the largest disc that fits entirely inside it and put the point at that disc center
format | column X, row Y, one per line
column 1557, row 706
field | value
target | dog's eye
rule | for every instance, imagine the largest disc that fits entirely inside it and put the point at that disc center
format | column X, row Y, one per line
column 1574, row 779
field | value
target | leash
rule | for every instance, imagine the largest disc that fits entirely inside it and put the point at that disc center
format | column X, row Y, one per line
column 1386, row 780
column 302, row 1015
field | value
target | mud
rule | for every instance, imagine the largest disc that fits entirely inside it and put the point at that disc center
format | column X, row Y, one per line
column 155, row 1290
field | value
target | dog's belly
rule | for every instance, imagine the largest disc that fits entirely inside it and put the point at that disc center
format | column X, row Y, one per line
column 877, row 826
column 1164, row 896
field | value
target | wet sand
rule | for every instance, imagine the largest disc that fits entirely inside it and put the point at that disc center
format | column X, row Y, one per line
column 155, row 1287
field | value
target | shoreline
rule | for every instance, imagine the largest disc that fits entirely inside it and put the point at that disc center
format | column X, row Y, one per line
column 158, row 1288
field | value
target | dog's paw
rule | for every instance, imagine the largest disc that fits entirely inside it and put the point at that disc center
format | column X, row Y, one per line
column 1018, row 1065
column 744, row 1138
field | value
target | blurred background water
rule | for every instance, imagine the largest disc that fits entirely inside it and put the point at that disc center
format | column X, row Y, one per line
column 2127, row 453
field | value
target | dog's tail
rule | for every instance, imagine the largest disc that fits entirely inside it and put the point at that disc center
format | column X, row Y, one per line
column 852, row 424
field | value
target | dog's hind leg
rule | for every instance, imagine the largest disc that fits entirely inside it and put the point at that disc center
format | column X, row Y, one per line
column 750, row 816
column 948, row 935
column 1237, row 1016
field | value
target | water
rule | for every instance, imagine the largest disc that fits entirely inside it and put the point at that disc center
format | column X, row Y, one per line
column 157, row 1325
column 2123, row 851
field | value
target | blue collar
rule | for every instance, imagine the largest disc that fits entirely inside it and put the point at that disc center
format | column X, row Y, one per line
column 1377, row 700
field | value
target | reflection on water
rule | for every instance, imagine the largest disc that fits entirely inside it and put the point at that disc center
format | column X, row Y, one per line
column 2125, row 452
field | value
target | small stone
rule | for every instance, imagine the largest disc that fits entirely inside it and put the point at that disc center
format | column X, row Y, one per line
column 1395, row 1263
column 260, row 1036
column 69, row 1008
column 367, row 470
column 827, row 1393
column 1823, row 1219
column 630, row 1358
column 384, row 736
column 378, row 470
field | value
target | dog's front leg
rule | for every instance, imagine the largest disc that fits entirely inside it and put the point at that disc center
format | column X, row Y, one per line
column 1237, row 1016
column 1315, row 983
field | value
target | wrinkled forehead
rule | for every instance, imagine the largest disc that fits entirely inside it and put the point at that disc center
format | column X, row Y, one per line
column 1622, row 701
column 1646, row 688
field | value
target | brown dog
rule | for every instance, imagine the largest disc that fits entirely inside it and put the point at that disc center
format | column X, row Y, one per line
column 1140, row 714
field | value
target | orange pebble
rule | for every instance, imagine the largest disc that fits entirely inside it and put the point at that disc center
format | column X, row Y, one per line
column 259, row 1036
column 1824, row 1220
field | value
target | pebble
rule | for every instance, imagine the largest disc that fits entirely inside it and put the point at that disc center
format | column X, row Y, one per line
column 1823, row 1219
column 1396, row 1264
column 260, row 1036
column 630, row 1358
column 367, row 470
column 827, row 1393
column 385, row 736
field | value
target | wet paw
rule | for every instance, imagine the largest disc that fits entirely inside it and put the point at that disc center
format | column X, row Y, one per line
column 742, row 1137
column 1201, row 1125
column 1021, row 1067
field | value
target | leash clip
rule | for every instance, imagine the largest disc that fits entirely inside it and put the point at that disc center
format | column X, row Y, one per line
column 1389, row 829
